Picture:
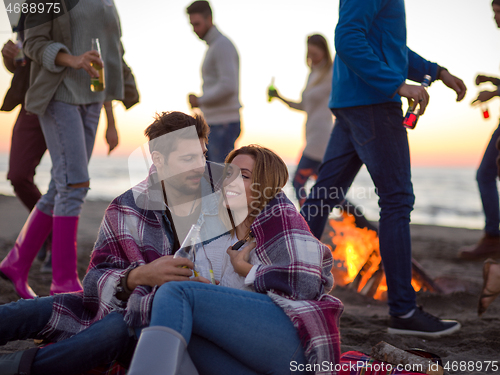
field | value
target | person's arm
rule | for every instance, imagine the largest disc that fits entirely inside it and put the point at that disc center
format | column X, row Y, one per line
column 355, row 22
column 291, row 104
column 53, row 56
column 9, row 52
column 417, row 69
column 111, row 131
column 227, row 70
column 480, row 78
column 79, row 62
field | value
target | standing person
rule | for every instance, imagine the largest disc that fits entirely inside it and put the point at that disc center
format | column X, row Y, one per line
column 314, row 102
column 370, row 70
column 271, row 312
column 489, row 244
column 27, row 143
column 220, row 72
column 68, row 110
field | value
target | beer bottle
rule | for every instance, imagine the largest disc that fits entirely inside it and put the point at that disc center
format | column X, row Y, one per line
column 97, row 84
column 411, row 117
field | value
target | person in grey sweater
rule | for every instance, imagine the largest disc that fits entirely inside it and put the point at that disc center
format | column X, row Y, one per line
column 220, row 102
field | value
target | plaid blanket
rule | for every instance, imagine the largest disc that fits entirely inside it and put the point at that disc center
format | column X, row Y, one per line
column 296, row 279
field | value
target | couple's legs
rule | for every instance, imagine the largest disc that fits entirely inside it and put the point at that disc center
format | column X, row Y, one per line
column 103, row 342
column 228, row 328
column 372, row 135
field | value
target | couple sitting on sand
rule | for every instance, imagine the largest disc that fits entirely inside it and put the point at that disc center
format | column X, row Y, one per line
column 270, row 307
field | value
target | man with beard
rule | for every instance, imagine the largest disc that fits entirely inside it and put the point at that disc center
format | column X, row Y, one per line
column 132, row 256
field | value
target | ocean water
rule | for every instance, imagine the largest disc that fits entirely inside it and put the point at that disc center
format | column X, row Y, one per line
column 444, row 196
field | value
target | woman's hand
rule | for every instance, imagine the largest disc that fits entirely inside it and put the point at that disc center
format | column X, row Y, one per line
column 239, row 259
column 80, row 62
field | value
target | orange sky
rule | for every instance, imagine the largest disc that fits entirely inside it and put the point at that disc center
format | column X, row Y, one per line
column 449, row 133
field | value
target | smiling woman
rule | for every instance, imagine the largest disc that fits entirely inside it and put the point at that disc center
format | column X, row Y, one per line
column 276, row 284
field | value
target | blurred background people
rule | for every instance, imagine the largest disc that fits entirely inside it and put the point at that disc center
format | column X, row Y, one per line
column 220, row 72
column 314, row 102
column 27, row 143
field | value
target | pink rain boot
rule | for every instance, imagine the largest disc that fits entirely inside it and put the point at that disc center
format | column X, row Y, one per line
column 16, row 265
column 64, row 255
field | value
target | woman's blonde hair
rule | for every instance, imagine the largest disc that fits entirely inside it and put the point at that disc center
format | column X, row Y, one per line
column 319, row 41
column 269, row 176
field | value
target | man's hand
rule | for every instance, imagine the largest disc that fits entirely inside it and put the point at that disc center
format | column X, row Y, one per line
column 239, row 258
column 417, row 93
column 484, row 96
column 482, row 78
column 9, row 53
column 9, row 50
column 193, row 101
column 160, row 271
column 453, row 83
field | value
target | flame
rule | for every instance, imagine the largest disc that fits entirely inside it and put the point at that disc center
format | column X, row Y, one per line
column 353, row 246
column 357, row 260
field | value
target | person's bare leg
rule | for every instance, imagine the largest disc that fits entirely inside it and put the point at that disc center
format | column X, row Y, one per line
column 491, row 284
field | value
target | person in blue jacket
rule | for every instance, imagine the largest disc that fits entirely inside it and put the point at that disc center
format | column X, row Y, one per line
column 369, row 79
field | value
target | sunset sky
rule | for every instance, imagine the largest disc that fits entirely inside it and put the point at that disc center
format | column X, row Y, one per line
column 166, row 57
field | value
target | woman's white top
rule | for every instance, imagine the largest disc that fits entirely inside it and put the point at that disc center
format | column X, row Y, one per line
column 215, row 253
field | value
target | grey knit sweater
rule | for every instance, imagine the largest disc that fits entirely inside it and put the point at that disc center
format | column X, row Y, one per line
column 221, row 82
column 90, row 19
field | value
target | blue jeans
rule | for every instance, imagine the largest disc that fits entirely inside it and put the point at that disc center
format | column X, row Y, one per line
column 306, row 168
column 487, row 182
column 372, row 135
column 69, row 132
column 103, row 342
column 229, row 331
column 221, row 140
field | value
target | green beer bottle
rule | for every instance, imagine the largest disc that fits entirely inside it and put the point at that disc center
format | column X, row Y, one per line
column 97, row 84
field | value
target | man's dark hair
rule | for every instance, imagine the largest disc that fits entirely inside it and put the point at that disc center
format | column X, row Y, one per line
column 496, row 2
column 168, row 122
column 201, row 6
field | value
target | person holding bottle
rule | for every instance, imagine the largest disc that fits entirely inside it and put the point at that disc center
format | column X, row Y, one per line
column 133, row 254
column 68, row 111
column 319, row 123
column 314, row 102
column 489, row 244
column 271, row 311
column 369, row 80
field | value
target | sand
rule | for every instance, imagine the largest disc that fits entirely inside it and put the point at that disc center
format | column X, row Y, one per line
column 364, row 321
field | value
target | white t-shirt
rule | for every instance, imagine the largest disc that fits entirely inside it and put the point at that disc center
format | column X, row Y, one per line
column 215, row 254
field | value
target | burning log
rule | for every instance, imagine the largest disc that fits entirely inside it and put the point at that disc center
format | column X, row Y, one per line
column 357, row 261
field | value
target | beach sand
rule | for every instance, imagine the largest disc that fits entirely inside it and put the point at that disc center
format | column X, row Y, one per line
column 364, row 321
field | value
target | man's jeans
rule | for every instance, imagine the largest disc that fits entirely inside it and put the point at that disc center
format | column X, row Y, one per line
column 69, row 132
column 372, row 135
column 221, row 140
column 487, row 181
column 229, row 331
column 103, row 342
